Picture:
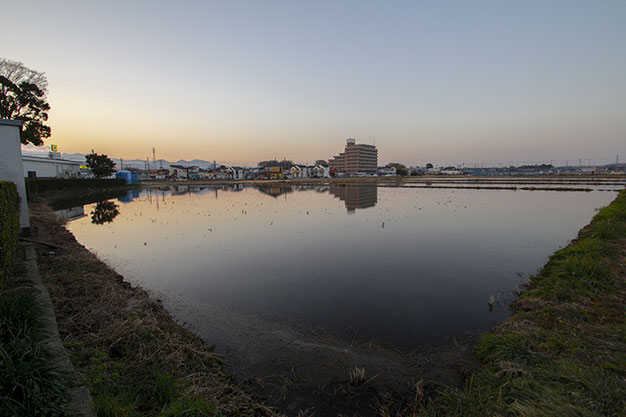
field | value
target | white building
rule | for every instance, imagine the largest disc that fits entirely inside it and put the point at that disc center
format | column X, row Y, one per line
column 51, row 167
column 320, row 171
column 11, row 164
column 387, row 171
column 299, row 171
column 178, row 172
column 238, row 173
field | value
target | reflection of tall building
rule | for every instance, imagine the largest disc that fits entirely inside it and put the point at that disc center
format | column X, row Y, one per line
column 355, row 196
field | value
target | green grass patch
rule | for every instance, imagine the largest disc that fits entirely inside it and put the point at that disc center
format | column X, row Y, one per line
column 187, row 407
column 562, row 351
column 121, row 389
column 29, row 384
column 504, row 347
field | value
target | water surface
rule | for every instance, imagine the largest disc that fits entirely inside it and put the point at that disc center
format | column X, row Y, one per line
column 399, row 265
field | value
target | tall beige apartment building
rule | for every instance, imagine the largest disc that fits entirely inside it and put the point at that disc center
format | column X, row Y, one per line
column 355, row 159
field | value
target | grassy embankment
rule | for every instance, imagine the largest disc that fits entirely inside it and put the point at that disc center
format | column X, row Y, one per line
column 133, row 357
column 562, row 353
column 29, row 384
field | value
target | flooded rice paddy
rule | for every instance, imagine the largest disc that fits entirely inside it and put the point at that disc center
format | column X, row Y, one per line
column 392, row 264
column 316, row 279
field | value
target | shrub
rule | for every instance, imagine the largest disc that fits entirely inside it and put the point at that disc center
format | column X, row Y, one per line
column 9, row 226
column 34, row 186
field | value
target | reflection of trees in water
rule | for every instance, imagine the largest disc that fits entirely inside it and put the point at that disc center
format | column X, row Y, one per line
column 104, row 212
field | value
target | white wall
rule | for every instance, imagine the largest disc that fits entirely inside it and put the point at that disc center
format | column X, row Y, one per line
column 50, row 168
column 11, row 168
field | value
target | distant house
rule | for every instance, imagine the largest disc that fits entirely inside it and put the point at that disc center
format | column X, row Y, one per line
column 158, row 174
column 238, row 173
column 320, row 171
column 193, row 172
column 221, row 172
column 178, row 172
column 273, row 171
column 299, row 171
column 51, row 167
column 451, row 171
column 204, row 174
column 388, row 171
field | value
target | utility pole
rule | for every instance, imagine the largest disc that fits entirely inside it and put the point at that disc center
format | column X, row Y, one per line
column 121, row 164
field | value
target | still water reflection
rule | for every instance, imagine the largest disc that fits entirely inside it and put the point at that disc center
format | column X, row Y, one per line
column 406, row 266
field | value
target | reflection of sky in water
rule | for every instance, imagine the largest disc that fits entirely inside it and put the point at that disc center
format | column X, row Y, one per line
column 408, row 266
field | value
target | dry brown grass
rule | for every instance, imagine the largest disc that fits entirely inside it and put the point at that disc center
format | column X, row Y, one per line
column 102, row 316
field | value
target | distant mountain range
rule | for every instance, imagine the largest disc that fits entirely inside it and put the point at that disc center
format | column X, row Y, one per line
column 128, row 163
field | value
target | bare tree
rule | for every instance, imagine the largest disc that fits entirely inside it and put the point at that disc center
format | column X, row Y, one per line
column 23, row 97
column 17, row 72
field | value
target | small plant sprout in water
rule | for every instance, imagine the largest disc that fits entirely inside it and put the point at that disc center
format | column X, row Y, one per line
column 357, row 376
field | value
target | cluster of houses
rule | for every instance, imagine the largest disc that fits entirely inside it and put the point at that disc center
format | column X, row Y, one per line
column 525, row 170
column 273, row 170
column 54, row 166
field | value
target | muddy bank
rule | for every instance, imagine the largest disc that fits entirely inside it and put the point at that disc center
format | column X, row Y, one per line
column 298, row 368
column 299, row 371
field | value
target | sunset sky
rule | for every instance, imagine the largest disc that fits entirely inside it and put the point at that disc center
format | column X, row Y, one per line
column 242, row 81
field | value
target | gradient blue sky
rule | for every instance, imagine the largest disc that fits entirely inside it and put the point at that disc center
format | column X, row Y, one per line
column 241, row 81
